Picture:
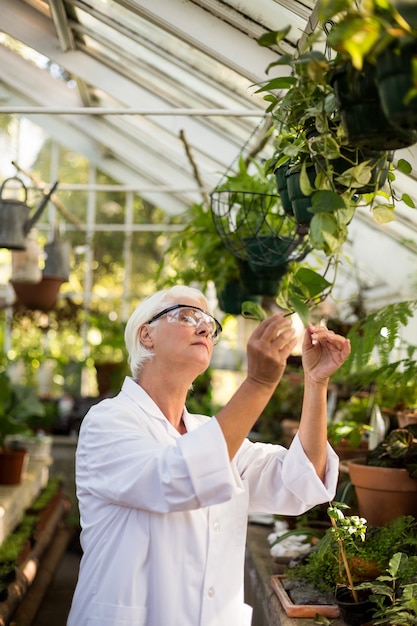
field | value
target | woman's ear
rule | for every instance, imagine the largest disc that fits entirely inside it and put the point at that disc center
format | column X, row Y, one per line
column 145, row 336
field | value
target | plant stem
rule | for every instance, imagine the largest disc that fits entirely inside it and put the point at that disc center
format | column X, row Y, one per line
column 346, row 564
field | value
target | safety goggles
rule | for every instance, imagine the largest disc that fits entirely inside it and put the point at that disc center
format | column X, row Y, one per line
column 192, row 317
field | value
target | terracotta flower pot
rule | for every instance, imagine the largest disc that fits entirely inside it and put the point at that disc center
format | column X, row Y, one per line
column 383, row 493
column 39, row 296
column 406, row 417
column 12, row 466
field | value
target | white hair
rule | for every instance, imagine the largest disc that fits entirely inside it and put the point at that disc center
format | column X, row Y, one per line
column 149, row 307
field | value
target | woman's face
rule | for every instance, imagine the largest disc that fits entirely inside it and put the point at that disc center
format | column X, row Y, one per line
column 182, row 337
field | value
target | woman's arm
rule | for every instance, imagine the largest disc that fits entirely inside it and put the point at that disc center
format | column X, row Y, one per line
column 323, row 353
column 268, row 350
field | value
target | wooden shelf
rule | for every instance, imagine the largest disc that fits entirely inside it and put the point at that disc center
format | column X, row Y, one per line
column 50, row 547
column 15, row 499
column 35, row 574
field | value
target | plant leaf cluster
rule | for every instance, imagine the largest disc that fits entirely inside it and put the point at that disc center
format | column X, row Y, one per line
column 362, row 30
column 309, row 126
column 373, row 340
column 322, row 566
column 394, row 592
column 397, row 450
column 18, row 405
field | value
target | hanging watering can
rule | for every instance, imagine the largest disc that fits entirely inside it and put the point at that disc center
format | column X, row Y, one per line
column 15, row 222
column 57, row 262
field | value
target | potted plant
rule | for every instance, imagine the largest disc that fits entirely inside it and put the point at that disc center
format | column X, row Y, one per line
column 251, row 222
column 386, row 480
column 309, row 128
column 18, row 403
column 270, row 244
column 351, row 552
column 355, row 607
column 348, row 428
column 367, row 558
column 377, row 42
column 197, row 255
column 108, row 352
column 340, row 549
column 394, row 592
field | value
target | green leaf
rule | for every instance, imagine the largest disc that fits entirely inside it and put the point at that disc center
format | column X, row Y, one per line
column 408, row 201
column 273, row 38
column 281, row 82
column 313, row 282
column 383, row 213
column 301, row 308
column 326, row 201
column 305, row 185
column 327, row 233
column 404, row 166
column 252, row 310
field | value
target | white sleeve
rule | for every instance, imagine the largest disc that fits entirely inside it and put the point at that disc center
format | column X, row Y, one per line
column 284, row 481
column 130, row 467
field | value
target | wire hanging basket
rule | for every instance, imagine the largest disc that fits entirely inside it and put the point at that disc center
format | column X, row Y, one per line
column 255, row 228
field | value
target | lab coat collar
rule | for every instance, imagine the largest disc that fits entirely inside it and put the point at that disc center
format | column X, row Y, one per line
column 136, row 393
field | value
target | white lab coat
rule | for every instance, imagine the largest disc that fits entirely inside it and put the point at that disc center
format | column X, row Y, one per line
column 164, row 515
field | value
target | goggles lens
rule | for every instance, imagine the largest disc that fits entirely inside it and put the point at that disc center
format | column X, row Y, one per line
column 192, row 317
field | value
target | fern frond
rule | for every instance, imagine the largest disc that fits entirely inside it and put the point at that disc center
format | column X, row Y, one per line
column 374, row 338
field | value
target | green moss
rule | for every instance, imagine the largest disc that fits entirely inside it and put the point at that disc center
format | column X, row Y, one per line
column 47, row 494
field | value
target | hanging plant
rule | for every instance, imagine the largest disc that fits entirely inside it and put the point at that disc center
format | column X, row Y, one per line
column 309, row 127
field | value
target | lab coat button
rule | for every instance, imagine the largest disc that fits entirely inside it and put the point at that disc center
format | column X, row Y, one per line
column 211, row 592
column 216, row 527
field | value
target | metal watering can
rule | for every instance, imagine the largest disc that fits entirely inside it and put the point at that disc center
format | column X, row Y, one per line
column 57, row 262
column 15, row 222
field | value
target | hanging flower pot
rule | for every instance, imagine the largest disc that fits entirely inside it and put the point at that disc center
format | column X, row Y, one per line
column 281, row 178
column 362, row 115
column 395, row 80
column 57, row 262
column 232, row 296
column 25, row 263
column 300, row 203
column 268, row 250
column 40, row 296
column 254, row 228
column 261, row 280
column 350, row 157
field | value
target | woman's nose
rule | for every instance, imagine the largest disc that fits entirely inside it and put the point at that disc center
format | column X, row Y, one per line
column 203, row 328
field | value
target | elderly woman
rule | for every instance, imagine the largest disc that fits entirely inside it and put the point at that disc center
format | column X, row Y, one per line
column 164, row 495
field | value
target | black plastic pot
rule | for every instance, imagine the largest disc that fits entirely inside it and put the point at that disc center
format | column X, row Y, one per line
column 300, row 203
column 281, row 178
column 354, row 613
column 232, row 296
column 261, row 280
column 363, row 117
column 394, row 75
